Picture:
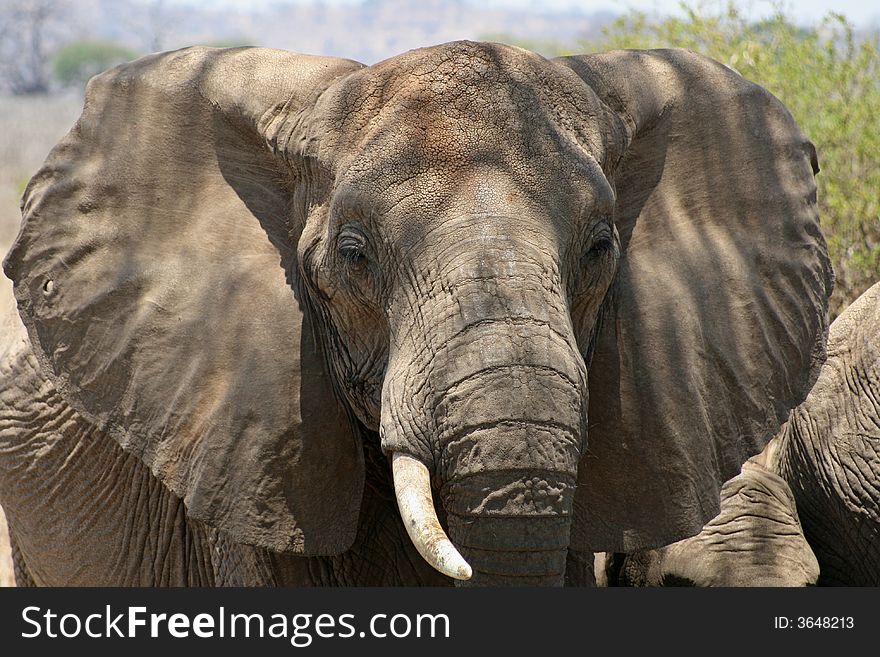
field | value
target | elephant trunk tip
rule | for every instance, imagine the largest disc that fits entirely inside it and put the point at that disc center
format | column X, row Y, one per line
column 412, row 488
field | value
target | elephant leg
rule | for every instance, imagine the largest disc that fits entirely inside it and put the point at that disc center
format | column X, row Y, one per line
column 81, row 510
column 381, row 555
column 634, row 569
column 236, row 564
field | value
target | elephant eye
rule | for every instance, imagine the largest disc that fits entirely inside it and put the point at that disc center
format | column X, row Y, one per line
column 351, row 249
column 599, row 247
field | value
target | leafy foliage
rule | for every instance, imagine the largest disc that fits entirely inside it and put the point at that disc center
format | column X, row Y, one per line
column 546, row 47
column 77, row 62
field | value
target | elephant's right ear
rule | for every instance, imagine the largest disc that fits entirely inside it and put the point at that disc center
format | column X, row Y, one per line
column 156, row 273
column 717, row 322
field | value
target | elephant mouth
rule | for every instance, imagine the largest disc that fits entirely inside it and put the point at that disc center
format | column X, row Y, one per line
column 526, row 546
column 412, row 488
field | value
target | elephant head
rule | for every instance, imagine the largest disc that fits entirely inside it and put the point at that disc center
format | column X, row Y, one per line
column 568, row 298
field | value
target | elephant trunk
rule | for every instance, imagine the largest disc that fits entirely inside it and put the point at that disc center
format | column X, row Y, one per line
column 486, row 387
column 510, row 514
column 507, row 440
column 526, row 546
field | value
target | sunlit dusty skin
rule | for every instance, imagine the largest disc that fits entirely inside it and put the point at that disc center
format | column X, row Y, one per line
column 829, row 452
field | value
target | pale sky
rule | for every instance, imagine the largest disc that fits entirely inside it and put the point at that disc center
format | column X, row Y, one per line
column 860, row 12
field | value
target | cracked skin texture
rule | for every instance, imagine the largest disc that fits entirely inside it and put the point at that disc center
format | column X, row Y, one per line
column 132, row 530
column 829, row 451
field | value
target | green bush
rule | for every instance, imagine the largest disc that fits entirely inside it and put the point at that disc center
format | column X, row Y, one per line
column 75, row 63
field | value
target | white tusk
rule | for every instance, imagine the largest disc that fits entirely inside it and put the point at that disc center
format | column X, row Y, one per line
column 412, row 487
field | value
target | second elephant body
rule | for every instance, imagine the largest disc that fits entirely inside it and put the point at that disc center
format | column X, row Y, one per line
column 807, row 509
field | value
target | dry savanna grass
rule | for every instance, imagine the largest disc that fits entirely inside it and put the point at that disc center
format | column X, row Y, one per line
column 29, row 128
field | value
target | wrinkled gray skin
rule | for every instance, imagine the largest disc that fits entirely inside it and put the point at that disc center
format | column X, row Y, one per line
column 829, row 451
column 580, row 293
column 814, row 489
column 756, row 540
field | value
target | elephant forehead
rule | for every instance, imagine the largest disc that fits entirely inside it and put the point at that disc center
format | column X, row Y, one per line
column 463, row 101
column 461, row 78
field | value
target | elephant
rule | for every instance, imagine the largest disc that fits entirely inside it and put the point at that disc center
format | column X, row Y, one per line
column 465, row 316
column 829, row 451
column 812, row 512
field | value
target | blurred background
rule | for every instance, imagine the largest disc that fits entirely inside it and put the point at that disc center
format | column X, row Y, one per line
column 820, row 57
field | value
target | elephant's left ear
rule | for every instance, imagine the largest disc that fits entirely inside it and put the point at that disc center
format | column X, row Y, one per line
column 156, row 273
column 718, row 319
